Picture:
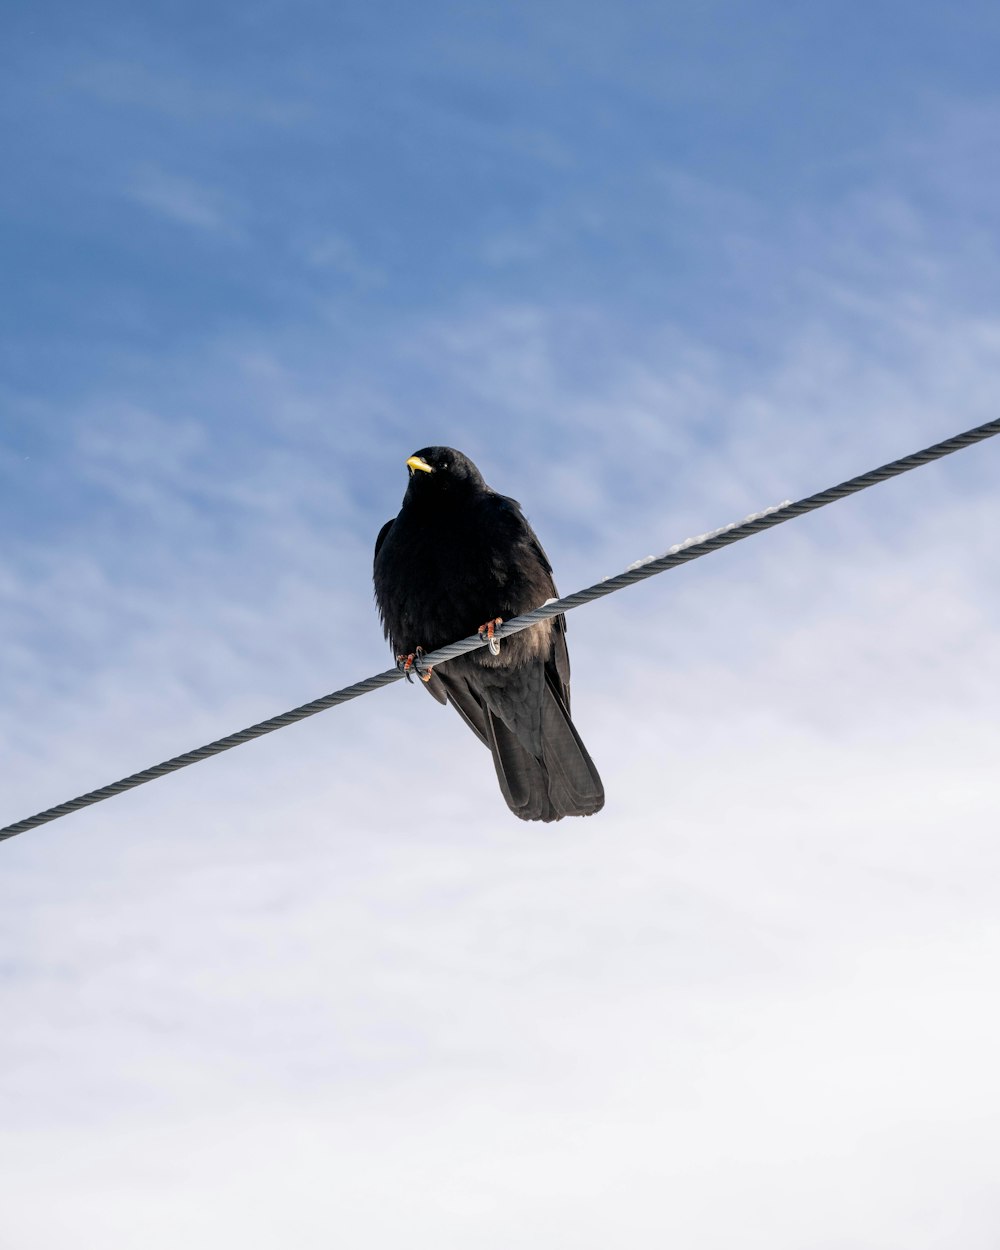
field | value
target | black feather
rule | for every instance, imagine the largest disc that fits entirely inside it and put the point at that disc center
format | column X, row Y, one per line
column 457, row 555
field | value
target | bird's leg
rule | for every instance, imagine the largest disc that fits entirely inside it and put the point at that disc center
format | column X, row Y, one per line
column 414, row 661
column 486, row 633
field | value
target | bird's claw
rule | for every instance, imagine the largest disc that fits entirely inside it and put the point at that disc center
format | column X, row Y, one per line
column 486, row 632
column 413, row 663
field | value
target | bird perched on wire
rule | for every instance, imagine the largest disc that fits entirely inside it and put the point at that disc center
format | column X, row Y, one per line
column 460, row 558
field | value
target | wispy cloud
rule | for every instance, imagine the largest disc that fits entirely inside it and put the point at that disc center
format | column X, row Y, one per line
column 334, row 252
column 184, row 201
column 182, row 97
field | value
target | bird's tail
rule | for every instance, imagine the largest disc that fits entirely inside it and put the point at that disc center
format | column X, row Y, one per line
column 562, row 781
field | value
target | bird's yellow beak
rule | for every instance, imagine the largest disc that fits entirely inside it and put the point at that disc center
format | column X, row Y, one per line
column 415, row 462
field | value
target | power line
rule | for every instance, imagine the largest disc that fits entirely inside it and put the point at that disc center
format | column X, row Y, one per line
column 681, row 553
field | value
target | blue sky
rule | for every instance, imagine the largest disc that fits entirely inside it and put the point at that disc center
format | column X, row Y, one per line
column 654, row 267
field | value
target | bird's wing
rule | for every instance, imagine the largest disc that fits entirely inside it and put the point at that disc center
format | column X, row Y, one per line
column 382, row 535
column 558, row 666
column 455, row 688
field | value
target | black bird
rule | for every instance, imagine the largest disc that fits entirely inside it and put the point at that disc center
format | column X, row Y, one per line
column 459, row 555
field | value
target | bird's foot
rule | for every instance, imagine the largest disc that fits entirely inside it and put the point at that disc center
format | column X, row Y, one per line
column 487, row 631
column 413, row 663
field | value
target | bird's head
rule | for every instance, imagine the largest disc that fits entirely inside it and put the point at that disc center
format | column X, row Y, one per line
column 435, row 470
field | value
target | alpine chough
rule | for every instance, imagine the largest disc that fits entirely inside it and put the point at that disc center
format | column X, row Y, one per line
column 457, row 558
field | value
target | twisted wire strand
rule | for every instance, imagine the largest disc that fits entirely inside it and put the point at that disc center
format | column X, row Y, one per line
column 681, row 553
